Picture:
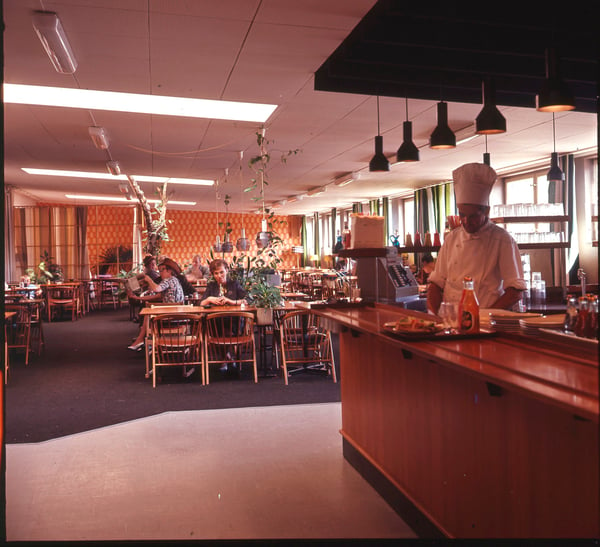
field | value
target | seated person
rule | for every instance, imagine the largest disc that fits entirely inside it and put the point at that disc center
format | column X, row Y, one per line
column 427, row 266
column 196, row 271
column 221, row 291
column 169, row 289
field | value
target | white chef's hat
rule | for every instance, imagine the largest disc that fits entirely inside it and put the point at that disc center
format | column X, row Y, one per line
column 473, row 183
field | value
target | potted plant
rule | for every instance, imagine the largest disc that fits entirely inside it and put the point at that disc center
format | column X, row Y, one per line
column 264, row 297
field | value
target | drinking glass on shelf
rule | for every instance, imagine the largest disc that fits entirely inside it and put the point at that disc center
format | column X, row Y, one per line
column 448, row 314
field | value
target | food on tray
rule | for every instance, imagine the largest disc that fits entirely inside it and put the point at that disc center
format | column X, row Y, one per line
column 414, row 324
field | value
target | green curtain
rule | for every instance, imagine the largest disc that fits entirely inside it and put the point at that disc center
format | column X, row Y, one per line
column 374, row 207
column 385, row 205
column 357, row 207
column 304, row 238
column 333, row 222
column 432, row 206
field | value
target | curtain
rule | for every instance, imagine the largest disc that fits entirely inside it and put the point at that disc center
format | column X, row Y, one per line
column 317, row 234
column 374, row 207
column 432, row 206
column 83, row 259
column 568, row 167
column 138, row 253
column 333, row 232
column 304, row 238
column 357, row 207
column 10, row 273
column 385, row 205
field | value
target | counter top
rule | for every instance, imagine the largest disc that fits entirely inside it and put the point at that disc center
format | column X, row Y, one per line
column 517, row 363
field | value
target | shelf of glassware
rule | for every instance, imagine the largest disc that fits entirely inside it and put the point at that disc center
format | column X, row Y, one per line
column 554, row 219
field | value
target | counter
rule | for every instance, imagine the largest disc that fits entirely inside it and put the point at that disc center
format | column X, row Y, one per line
column 489, row 437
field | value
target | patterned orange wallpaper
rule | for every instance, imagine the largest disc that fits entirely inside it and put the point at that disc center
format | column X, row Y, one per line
column 190, row 233
column 194, row 232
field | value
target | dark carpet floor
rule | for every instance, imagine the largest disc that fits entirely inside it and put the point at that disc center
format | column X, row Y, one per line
column 86, row 378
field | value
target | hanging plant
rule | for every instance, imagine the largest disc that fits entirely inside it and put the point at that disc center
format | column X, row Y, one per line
column 155, row 220
column 259, row 164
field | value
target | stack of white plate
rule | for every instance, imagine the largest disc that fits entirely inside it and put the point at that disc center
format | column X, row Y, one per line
column 532, row 325
column 509, row 321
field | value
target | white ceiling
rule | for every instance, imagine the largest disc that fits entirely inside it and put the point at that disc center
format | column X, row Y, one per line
column 248, row 50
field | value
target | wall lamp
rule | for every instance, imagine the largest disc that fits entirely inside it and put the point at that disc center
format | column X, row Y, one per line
column 49, row 29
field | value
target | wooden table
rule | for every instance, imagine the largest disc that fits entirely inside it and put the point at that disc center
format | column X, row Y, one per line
column 482, row 437
column 7, row 315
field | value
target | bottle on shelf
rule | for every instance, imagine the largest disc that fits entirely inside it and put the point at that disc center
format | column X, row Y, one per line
column 468, row 308
column 582, row 326
column 436, row 240
column 427, row 242
column 409, row 241
column 417, row 242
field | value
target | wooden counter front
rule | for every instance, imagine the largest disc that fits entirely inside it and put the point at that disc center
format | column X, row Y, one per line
column 489, row 437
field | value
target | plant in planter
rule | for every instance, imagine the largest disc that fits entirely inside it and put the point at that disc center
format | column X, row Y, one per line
column 49, row 271
column 264, row 297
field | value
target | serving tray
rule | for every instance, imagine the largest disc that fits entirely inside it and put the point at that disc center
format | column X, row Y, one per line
column 439, row 336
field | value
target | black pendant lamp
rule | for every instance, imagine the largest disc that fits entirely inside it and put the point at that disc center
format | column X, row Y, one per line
column 442, row 136
column 555, row 174
column 407, row 151
column 489, row 121
column 379, row 162
column 555, row 95
column 486, row 155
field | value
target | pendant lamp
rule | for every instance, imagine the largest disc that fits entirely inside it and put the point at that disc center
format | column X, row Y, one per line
column 486, row 155
column 379, row 162
column 555, row 95
column 555, row 174
column 489, row 121
column 442, row 136
column 407, row 151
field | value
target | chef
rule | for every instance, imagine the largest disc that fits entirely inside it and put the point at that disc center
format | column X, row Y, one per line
column 478, row 248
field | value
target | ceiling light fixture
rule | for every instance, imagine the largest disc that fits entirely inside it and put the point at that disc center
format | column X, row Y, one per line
column 442, row 136
column 106, row 176
column 316, row 191
column 346, row 179
column 114, row 168
column 489, row 121
column 486, row 155
column 407, row 152
column 105, row 198
column 555, row 174
column 379, row 162
column 90, row 99
column 555, row 95
column 49, row 29
column 99, row 137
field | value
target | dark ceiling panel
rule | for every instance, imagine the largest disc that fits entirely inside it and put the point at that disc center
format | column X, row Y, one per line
column 444, row 52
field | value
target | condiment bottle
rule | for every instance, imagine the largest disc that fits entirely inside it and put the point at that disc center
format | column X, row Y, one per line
column 436, row 240
column 468, row 308
column 583, row 318
column 427, row 242
column 409, row 241
column 347, row 237
column 418, row 240
column 571, row 313
column 594, row 317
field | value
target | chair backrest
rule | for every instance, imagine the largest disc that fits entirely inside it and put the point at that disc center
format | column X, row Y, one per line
column 301, row 332
column 177, row 338
column 20, row 325
column 230, row 327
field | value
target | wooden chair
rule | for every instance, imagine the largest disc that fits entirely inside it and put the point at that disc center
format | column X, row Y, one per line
column 176, row 342
column 18, row 330
column 229, row 339
column 63, row 297
column 305, row 345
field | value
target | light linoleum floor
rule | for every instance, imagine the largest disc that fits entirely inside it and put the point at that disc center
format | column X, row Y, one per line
column 244, row 473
